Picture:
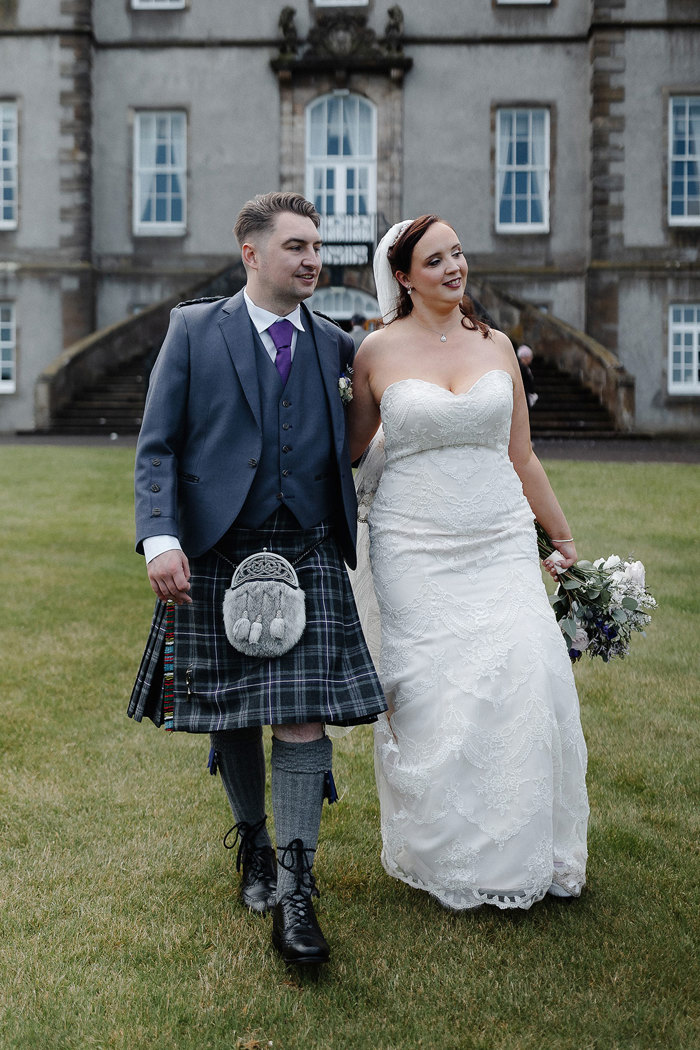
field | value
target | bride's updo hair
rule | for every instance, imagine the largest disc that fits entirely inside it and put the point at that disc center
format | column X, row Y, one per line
column 400, row 257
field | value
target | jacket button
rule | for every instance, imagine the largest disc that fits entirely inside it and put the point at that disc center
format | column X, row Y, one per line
column 155, row 513
column 252, row 462
column 286, row 404
column 155, row 488
column 286, row 426
column 286, row 448
column 155, row 462
column 285, row 473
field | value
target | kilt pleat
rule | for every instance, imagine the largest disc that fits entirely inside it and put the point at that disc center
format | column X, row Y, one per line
column 327, row 677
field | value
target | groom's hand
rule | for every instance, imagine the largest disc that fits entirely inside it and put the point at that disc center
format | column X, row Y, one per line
column 169, row 574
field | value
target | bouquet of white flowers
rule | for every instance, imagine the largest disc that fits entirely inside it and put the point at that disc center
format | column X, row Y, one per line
column 598, row 604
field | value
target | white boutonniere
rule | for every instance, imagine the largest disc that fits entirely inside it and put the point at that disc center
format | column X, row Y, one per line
column 345, row 386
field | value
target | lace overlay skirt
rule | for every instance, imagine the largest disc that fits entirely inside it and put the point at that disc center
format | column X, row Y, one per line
column 481, row 765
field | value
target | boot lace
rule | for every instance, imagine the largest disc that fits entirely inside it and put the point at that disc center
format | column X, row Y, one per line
column 298, row 860
column 249, row 855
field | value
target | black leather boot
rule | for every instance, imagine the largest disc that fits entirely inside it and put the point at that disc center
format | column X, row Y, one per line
column 259, row 877
column 296, row 933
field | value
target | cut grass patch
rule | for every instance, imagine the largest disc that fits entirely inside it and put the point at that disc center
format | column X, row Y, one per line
column 121, row 926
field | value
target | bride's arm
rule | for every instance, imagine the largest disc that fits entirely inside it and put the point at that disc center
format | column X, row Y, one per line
column 363, row 411
column 536, row 486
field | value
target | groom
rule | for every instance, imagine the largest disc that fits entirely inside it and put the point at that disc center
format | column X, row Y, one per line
column 243, row 447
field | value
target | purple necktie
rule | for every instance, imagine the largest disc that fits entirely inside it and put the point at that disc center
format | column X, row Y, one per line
column 281, row 334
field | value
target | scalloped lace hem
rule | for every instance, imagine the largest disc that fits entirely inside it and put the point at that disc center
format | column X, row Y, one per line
column 471, row 898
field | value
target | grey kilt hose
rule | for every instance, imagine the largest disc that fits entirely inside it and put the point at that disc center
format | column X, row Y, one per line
column 327, row 677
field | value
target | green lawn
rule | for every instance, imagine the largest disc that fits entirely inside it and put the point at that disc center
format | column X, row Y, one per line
column 120, row 925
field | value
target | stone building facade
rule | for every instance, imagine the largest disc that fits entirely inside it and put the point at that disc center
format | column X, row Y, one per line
column 561, row 140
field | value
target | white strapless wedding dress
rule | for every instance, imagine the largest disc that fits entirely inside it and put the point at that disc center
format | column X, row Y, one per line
column 481, row 767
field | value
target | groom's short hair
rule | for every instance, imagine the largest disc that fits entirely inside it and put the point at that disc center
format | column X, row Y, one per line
column 258, row 215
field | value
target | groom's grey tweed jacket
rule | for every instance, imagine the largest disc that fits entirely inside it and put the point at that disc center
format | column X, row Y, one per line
column 201, row 440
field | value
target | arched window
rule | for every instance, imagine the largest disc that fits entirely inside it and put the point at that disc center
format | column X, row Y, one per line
column 341, row 166
column 342, row 303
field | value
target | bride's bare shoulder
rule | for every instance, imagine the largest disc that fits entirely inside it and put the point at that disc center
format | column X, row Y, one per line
column 377, row 343
column 500, row 339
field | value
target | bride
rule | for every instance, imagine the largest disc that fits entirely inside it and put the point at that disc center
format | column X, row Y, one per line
column 481, row 760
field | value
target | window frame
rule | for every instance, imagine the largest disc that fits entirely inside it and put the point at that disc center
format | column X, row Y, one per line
column 501, row 167
column 685, row 219
column 9, row 386
column 681, row 327
column 12, row 107
column 167, row 228
column 343, row 163
column 158, row 5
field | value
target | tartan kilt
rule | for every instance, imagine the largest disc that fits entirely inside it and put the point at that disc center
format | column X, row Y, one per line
column 327, row 677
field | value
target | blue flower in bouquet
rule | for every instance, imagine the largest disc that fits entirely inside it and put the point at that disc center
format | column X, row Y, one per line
column 599, row 604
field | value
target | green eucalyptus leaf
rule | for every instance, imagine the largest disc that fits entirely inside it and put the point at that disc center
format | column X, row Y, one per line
column 569, row 627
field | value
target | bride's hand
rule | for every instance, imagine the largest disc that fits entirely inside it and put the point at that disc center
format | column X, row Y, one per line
column 560, row 559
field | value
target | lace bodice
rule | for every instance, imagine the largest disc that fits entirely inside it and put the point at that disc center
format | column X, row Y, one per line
column 418, row 415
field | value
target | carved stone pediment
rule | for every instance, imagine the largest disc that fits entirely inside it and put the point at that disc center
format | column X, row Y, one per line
column 342, row 36
column 341, row 41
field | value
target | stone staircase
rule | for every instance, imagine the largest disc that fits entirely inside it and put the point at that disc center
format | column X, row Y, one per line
column 114, row 405
column 564, row 408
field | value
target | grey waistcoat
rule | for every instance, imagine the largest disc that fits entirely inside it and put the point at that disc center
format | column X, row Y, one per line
column 296, row 463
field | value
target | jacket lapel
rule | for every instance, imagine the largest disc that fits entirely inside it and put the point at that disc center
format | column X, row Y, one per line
column 327, row 354
column 237, row 330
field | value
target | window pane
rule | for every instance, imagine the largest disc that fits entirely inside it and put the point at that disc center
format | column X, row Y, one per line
column 350, row 138
column 505, row 213
column 317, row 130
column 536, row 211
column 522, row 124
column 366, row 124
column 333, row 136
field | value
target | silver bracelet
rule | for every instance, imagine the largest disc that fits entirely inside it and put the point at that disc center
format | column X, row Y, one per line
column 570, row 540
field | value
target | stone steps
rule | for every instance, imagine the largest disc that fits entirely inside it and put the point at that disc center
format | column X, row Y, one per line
column 564, row 408
column 112, row 405
column 115, row 405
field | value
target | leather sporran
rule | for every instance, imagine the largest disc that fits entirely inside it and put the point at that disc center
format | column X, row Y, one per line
column 264, row 608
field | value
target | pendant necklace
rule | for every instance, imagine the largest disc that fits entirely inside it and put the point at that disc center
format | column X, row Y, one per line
column 443, row 335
